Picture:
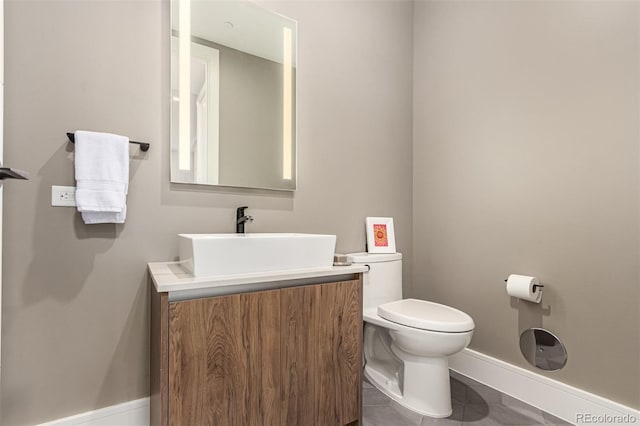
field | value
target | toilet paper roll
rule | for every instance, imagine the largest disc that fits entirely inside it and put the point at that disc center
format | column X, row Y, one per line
column 524, row 287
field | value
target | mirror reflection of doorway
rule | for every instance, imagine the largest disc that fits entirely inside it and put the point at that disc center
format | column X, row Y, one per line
column 204, row 113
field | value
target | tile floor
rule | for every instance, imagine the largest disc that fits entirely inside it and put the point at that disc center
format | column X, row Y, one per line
column 473, row 404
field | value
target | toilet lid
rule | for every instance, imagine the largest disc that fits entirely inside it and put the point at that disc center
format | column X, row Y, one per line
column 426, row 316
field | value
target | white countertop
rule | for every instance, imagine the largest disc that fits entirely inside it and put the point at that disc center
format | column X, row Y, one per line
column 171, row 277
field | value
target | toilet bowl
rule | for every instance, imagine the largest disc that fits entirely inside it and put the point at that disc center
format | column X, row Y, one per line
column 407, row 341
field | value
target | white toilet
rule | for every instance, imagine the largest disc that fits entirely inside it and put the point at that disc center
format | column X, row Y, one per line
column 407, row 341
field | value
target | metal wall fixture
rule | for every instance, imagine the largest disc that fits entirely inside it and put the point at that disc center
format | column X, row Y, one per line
column 9, row 173
column 144, row 147
column 543, row 349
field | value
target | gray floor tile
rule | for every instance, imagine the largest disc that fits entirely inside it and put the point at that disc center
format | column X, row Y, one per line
column 524, row 409
column 388, row 415
column 477, row 414
column 458, row 391
column 496, row 414
column 472, row 402
column 372, row 396
column 405, row 413
column 455, row 419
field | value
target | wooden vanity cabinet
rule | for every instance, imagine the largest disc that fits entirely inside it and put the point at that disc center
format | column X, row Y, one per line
column 282, row 357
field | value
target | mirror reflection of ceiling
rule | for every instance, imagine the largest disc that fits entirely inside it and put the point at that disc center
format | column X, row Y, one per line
column 235, row 24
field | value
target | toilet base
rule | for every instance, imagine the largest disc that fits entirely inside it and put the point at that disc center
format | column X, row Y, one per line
column 423, row 387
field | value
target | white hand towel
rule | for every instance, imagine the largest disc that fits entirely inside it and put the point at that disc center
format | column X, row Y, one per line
column 91, row 218
column 102, row 175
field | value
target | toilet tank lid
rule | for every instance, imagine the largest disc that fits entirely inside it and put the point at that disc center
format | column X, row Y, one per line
column 373, row 257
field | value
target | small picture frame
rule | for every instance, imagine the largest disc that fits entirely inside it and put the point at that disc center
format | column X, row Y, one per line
column 381, row 237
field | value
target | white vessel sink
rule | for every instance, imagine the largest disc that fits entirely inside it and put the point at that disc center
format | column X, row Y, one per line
column 228, row 254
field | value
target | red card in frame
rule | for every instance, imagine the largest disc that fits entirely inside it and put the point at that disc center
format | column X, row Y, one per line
column 380, row 235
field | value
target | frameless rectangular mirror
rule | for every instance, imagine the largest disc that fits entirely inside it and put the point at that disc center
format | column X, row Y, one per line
column 233, row 84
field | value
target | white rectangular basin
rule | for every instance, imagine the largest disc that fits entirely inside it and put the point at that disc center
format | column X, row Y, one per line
column 228, row 254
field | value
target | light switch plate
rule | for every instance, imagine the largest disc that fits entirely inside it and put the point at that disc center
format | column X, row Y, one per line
column 63, row 196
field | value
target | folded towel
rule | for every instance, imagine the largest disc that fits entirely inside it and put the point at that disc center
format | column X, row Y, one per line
column 91, row 218
column 98, row 196
column 102, row 175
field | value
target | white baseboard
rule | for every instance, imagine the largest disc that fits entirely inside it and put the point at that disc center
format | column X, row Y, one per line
column 561, row 400
column 130, row 413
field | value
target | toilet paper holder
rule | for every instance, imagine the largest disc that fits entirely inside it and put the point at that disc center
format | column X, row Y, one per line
column 535, row 286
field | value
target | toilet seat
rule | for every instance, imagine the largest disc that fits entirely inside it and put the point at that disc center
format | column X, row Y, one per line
column 426, row 316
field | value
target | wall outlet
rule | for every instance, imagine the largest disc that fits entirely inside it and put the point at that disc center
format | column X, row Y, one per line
column 63, row 196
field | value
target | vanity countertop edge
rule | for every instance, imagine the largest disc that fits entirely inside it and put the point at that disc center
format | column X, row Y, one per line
column 171, row 277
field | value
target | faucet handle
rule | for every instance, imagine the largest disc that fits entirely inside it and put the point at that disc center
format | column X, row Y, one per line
column 240, row 211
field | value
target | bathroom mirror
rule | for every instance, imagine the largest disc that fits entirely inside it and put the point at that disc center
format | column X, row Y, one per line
column 233, row 110
column 543, row 349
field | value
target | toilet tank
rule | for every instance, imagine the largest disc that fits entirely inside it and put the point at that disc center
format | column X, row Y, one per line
column 383, row 282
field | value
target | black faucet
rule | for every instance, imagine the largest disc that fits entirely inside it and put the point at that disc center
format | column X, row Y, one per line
column 241, row 219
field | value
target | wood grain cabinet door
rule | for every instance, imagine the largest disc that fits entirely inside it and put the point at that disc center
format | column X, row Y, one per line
column 224, row 360
column 339, row 384
column 299, row 336
column 321, row 337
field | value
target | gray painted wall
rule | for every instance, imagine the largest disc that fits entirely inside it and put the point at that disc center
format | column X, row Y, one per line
column 526, row 130
column 75, row 310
